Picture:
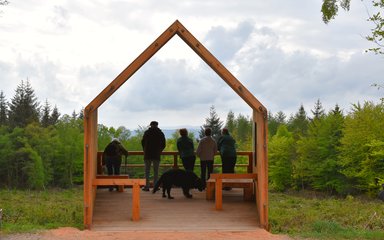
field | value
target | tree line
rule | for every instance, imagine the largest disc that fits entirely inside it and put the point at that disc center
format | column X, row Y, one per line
column 335, row 152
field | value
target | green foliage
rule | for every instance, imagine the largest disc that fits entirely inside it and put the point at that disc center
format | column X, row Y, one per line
column 213, row 122
column 24, row 107
column 280, row 155
column 317, row 216
column 26, row 211
column 361, row 154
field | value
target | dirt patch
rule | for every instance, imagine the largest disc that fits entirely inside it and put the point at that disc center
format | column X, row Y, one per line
column 74, row 234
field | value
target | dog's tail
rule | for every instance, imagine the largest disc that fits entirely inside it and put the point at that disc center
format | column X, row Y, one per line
column 157, row 184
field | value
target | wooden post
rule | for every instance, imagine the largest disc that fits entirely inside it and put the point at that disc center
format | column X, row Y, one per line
column 136, row 202
column 175, row 165
column 219, row 194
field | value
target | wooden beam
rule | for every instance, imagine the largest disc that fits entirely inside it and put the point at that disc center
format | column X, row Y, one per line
column 233, row 176
column 132, row 68
column 219, row 68
column 219, row 194
column 261, row 167
column 117, row 181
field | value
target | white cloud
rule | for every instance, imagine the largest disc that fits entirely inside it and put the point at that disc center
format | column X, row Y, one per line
column 280, row 50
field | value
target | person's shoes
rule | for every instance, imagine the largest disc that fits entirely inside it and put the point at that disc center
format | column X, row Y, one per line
column 227, row 188
column 145, row 189
column 111, row 189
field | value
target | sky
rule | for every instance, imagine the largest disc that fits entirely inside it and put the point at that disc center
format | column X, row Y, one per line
column 281, row 51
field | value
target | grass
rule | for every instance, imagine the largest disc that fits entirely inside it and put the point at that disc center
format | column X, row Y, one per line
column 308, row 215
column 300, row 215
column 29, row 211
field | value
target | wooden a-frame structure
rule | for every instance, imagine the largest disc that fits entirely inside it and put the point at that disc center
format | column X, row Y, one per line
column 260, row 165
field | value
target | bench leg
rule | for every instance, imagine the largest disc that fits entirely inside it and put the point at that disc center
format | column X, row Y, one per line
column 121, row 188
column 210, row 191
column 219, row 194
column 248, row 193
column 136, row 202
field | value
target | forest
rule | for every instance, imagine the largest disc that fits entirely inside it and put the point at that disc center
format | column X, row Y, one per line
column 337, row 151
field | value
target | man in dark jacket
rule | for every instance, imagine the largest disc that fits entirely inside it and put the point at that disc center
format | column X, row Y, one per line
column 227, row 148
column 153, row 144
column 112, row 157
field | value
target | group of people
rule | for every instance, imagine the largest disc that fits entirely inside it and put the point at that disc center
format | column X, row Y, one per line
column 153, row 143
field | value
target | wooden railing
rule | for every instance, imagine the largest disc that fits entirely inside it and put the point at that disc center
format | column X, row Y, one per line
column 175, row 163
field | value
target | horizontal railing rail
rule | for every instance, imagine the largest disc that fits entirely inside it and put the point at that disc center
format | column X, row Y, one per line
column 175, row 163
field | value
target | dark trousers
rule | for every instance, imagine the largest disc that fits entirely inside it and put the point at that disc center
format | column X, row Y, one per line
column 188, row 163
column 113, row 167
column 228, row 164
column 206, row 165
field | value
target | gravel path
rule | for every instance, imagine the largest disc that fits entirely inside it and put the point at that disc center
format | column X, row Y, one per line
column 74, row 234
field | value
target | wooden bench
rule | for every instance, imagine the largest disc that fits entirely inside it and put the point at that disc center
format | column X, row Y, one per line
column 122, row 180
column 120, row 187
column 217, row 181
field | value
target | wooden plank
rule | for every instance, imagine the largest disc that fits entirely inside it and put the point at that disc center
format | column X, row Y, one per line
column 136, row 202
column 219, row 194
column 233, row 175
column 219, row 68
column 112, row 176
column 113, row 212
column 112, row 181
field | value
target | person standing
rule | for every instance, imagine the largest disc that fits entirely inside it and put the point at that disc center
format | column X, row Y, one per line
column 112, row 158
column 186, row 150
column 153, row 143
column 227, row 148
column 206, row 151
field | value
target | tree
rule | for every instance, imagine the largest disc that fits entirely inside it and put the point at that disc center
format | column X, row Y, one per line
column 24, row 107
column 361, row 145
column 54, row 116
column 274, row 121
column 45, row 118
column 318, row 111
column 3, row 110
column 230, row 122
column 280, row 154
column 298, row 124
column 330, row 9
column 213, row 122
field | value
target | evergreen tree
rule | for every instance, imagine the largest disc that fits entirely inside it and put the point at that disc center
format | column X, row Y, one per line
column 230, row 122
column 3, row 109
column 24, row 108
column 275, row 121
column 298, row 124
column 213, row 122
column 45, row 118
column 319, row 111
column 54, row 118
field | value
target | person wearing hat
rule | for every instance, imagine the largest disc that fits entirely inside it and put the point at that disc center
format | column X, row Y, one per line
column 153, row 143
column 112, row 158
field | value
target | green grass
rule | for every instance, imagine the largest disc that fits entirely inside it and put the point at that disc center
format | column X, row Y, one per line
column 300, row 215
column 29, row 211
column 320, row 217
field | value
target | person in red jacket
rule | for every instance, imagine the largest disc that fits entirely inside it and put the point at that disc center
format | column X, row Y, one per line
column 153, row 143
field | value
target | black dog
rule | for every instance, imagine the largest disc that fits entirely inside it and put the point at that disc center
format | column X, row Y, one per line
column 179, row 178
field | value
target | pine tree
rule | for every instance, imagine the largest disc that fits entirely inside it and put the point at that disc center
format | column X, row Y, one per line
column 319, row 111
column 45, row 119
column 24, row 108
column 213, row 122
column 230, row 123
column 3, row 110
column 298, row 124
column 54, row 118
